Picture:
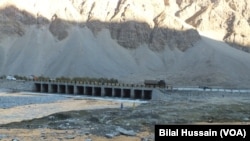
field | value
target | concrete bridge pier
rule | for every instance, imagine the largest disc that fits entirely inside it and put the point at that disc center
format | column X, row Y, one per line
column 113, row 92
column 75, row 90
column 84, row 90
column 132, row 94
column 102, row 92
column 122, row 93
column 143, row 94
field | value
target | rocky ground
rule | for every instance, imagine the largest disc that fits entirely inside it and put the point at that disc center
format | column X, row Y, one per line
column 132, row 121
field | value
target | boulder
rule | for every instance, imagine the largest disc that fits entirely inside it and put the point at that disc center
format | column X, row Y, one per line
column 125, row 132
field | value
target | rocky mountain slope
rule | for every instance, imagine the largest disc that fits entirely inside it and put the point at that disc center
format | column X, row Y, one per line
column 185, row 42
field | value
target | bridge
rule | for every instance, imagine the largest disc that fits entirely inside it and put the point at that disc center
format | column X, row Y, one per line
column 116, row 90
column 95, row 89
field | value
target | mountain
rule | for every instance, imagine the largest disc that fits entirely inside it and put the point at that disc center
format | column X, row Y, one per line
column 184, row 42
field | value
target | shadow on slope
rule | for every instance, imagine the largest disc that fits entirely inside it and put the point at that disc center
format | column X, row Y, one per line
column 129, row 34
column 190, row 67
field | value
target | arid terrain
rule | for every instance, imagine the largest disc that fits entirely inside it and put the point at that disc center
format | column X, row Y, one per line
column 185, row 42
column 83, row 118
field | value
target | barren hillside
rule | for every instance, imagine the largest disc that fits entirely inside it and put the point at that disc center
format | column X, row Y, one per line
column 185, row 42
